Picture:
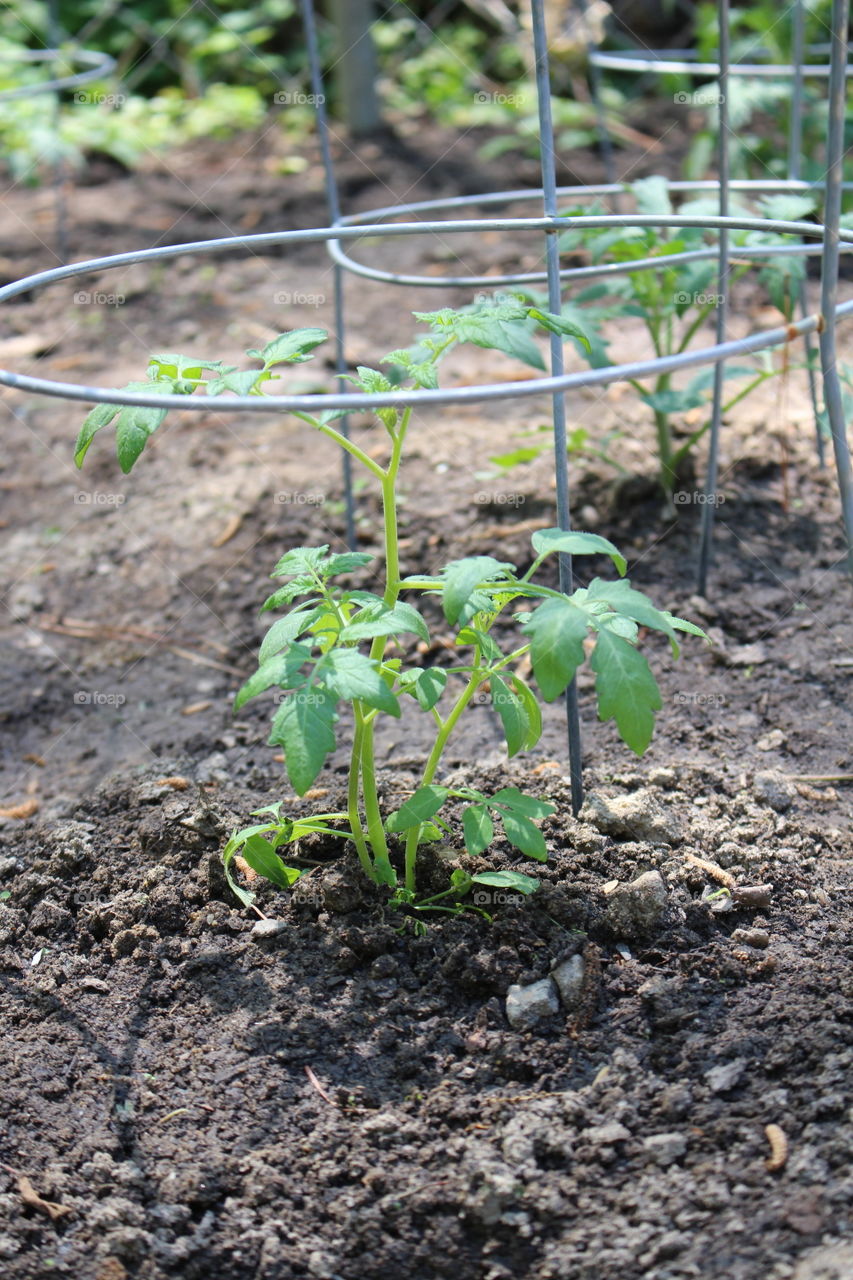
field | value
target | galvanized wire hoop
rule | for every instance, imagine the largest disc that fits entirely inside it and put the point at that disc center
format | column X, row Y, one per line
column 342, row 230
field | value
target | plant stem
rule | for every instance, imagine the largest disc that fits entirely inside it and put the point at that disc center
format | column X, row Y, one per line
column 352, row 799
column 474, row 682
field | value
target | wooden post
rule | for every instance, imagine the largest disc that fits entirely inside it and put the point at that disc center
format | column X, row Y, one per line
column 355, row 67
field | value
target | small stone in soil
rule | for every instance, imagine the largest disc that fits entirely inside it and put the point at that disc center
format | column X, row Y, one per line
column 635, row 817
column 569, row 979
column 268, row 928
column 636, row 909
column 773, row 789
column 724, row 1077
column 665, row 1148
column 525, row 1006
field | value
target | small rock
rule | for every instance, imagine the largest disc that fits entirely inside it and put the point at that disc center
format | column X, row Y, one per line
column 665, row 1148
column 636, row 909
column 747, row 655
column 771, row 741
column 758, row 938
column 8, row 866
column 525, row 1006
column 774, row 789
column 635, row 817
column 664, row 777
column 829, row 1262
column 724, row 1077
column 569, row 979
column 267, row 928
column 605, row 1135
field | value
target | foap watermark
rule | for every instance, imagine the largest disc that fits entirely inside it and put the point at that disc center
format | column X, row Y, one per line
column 82, row 298
column 683, row 498
column 296, row 98
column 496, row 299
column 684, row 299
column 700, row 98
column 694, row 699
column 302, row 698
column 98, row 698
column 286, row 298
column 500, row 499
column 483, row 897
column 500, row 99
column 95, row 98
column 97, row 499
column 287, row 498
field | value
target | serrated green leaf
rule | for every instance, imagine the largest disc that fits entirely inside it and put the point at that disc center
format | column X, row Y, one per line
column 461, row 577
column 423, row 805
column 575, row 543
column 532, row 711
column 278, row 671
column 507, row 880
column 301, row 560
column 262, row 857
column 386, row 620
column 170, row 365
column 562, row 326
column 525, row 836
column 512, row 713
column 101, row 416
column 290, row 348
column 346, row 562
column 652, row 195
column 488, row 648
column 356, row 677
column 477, row 828
column 681, row 624
column 557, row 630
column 285, row 630
column 241, row 381
column 133, row 427
column 426, row 684
column 626, row 689
column 304, row 727
column 622, row 598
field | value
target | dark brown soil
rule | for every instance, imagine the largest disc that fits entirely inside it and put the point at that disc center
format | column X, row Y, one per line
column 348, row 1099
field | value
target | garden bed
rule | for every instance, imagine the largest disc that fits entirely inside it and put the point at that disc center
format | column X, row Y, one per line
column 342, row 1096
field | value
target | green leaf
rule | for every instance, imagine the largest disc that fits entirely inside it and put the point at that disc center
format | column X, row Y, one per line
column 652, row 195
column 517, row 456
column 627, row 690
column 386, row 620
column 420, row 807
column 346, row 562
column 461, row 577
column 525, row 836
column 290, row 348
column 574, row 543
column 285, row 630
column 304, row 727
column 513, row 716
column 521, row 803
column 507, row 880
column 532, row 711
column 133, row 428
column 558, row 629
column 561, row 325
column 426, row 684
column 474, row 635
column 502, row 326
column 277, row 671
column 101, row 416
column 262, row 857
column 241, row 381
column 169, row 365
column 672, row 401
column 681, row 624
column 621, row 597
column 356, row 677
column 477, row 828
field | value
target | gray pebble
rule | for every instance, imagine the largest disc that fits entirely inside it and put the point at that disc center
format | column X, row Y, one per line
column 525, row 1006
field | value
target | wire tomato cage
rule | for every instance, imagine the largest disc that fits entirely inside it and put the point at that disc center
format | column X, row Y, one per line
column 826, row 239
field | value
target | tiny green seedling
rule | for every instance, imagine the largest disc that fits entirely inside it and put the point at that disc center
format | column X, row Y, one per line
column 339, row 644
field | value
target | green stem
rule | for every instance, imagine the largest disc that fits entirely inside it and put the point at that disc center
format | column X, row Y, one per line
column 347, row 445
column 474, row 682
column 352, row 801
column 382, row 869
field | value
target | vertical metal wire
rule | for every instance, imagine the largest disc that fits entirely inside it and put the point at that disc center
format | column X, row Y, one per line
column 555, row 302
column 333, row 201
column 795, row 151
column 54, row 39
column 829, row 274
column 707, row 533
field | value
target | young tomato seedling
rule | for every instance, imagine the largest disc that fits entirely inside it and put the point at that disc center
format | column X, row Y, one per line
column 336, row 644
